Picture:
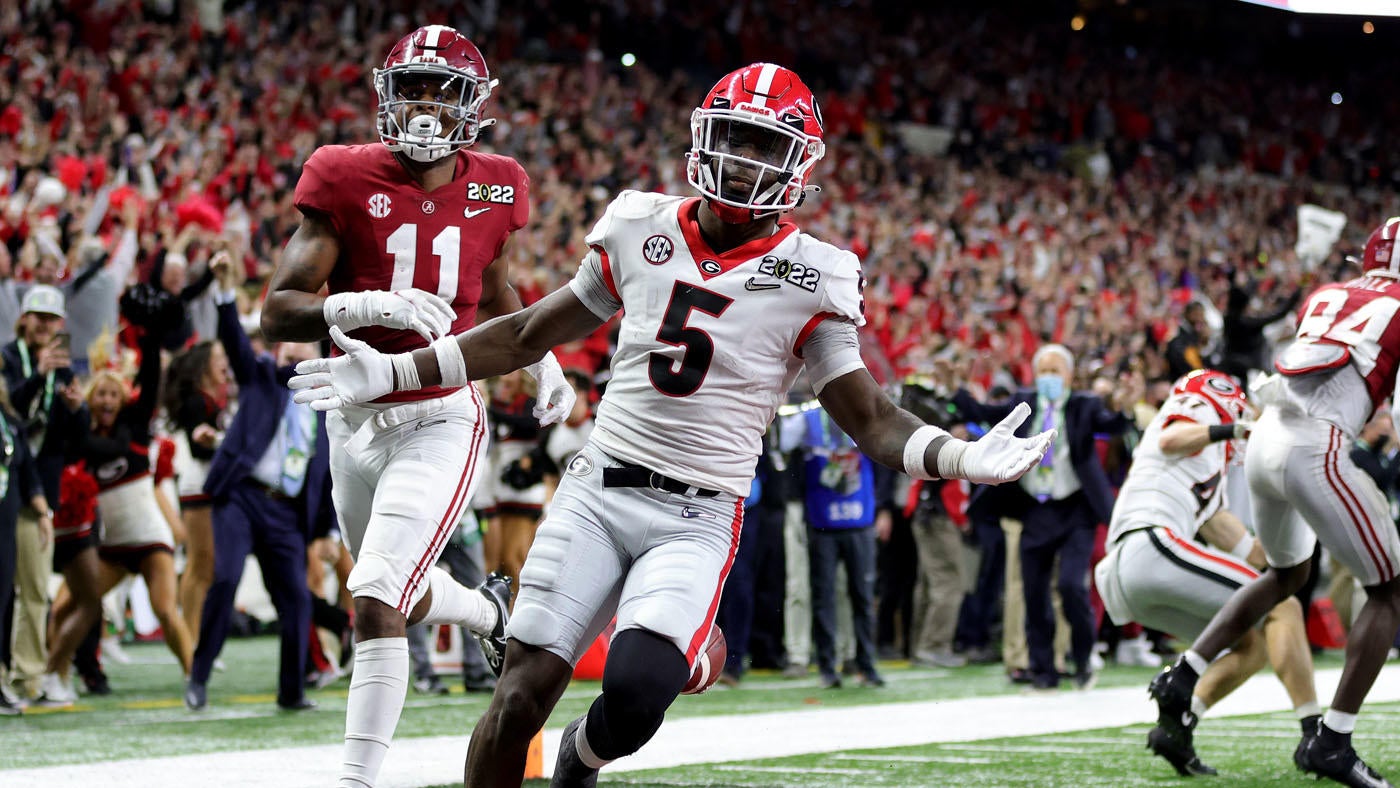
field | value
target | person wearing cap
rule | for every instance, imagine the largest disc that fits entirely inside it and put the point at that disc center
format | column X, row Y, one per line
column 37, row 376
column 1059, row 503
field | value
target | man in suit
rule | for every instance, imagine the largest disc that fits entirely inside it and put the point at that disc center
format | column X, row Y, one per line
column 1060, row 502
column 270, row 482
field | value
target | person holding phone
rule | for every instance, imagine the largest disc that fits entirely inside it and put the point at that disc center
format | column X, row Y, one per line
column 39, row 380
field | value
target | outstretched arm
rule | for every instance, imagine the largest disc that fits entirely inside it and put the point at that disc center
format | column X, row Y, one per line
column 493, row 348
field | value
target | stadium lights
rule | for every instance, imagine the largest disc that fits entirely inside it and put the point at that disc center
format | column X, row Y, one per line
column 1336, row 98
column 1077, row 23
column 629, row 60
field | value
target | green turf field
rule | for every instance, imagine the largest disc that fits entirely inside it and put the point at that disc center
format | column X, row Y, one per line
column 144, row 718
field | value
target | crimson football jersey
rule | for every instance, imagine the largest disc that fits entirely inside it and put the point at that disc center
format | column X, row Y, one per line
column 1359, row 317
column 393, row 235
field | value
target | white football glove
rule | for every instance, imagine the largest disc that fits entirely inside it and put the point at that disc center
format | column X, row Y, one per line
column 361, row 375
column 411, row 309
column 556, row 397
column 999, row 456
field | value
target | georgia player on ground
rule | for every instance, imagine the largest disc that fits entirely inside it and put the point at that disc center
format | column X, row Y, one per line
column 1338, row 371
column 723, row 304
column 1158, row 575
column 408, row 236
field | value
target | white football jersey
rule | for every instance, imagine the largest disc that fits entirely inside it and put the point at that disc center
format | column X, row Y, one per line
column 1179, row 493
column 709, row 343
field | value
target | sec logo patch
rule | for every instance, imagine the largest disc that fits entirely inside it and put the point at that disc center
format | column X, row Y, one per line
column 379, row 205
column 658, row 249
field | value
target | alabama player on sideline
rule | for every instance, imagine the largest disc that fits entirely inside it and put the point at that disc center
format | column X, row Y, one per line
column 1338, row 370
column 408, row 236
column 723, row 303
column 1158, row 575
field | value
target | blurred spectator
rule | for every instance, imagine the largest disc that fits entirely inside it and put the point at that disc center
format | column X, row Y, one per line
column 39, row 378
column 269, row 481
column 1059, row 504
column 1242, row 338
column 196, row 401
column 19, row 487
column 1190, row 348
column 843, row 521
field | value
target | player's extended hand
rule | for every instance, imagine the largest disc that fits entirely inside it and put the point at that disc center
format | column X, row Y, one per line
column 410, row 309
column 555, row 400
column 999, row 456
column 361, row 375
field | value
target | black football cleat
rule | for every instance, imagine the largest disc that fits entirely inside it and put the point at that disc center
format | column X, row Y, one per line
column 1179, row 753
column 496, row 589
column 1341, row 764
column 569, row 769
column 1309, row 733
column 196, row 696
column 1172, row 690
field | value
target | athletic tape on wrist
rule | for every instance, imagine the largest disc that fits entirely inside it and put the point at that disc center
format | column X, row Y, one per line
column 451, row 365
column 1243, row 547
column 914, row 450
column 405, row 372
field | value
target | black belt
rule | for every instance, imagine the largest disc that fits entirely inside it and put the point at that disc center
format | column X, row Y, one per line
column 636, row 476
column 271, row 492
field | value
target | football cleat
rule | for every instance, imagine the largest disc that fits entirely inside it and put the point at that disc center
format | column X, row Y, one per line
column 1309, row 733
column 1341, row 764
column 496, row 589
column 1180, row 754
column 569, row 769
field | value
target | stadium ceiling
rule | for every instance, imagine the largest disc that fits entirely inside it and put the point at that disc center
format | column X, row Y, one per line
column 1348, row 7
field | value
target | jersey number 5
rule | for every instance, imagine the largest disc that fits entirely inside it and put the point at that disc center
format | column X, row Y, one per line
column 699, row 347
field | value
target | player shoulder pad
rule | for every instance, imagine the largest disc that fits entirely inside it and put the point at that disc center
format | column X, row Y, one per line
column 844, row 292
column 630, row 205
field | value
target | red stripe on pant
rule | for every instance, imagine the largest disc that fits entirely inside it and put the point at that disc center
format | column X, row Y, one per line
column 1331, row 467
column 450, row 517
column 1198, row 552
column 698, row 639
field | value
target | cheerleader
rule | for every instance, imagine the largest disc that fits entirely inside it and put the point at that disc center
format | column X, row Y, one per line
column 196, row 400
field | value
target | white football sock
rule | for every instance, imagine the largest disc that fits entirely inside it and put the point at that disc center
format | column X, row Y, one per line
column 1198, row 706
column 1197, row 662
column 1339, row 721
column 1309, row 709
column 585, row 752
column 454, row 603
column 372, row 709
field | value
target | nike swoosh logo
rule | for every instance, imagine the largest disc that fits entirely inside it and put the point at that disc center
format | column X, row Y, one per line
column 692, row 514
column 469, row 213
column 753, row 284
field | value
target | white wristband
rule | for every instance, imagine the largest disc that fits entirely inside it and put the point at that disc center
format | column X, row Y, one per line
column 1243, row 547
column 914, row 450
column 335, row 311
column 405, row 372
column 451, row 365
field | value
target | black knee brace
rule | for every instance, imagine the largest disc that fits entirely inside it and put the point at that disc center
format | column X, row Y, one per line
column 643, row 675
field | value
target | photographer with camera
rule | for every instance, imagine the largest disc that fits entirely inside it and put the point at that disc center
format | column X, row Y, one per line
column 40, row 382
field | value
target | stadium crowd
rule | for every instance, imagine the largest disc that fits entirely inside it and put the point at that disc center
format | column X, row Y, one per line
column 1007, row 182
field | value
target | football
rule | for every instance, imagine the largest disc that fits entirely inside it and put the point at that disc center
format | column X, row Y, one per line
column 708, row 664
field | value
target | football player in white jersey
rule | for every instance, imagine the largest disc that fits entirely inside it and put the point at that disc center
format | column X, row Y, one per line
column 1157, row 574
column 723, row 303
column 1304, row 488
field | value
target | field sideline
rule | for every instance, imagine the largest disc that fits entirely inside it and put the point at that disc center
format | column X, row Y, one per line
column 748, row 742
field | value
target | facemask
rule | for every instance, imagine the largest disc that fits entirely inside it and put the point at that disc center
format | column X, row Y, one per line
column 1051, row 387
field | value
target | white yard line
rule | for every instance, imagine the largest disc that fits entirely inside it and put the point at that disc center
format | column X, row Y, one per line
column 413, row 763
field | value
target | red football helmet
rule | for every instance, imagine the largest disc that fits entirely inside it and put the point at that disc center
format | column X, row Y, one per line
column 431, row 90
column 1379, row 258
column 754, row 141
column 1219, row 390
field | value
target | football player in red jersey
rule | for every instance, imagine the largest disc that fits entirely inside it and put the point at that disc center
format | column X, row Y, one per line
column 724, row 304
column 1339, row 370
column 408, row 236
